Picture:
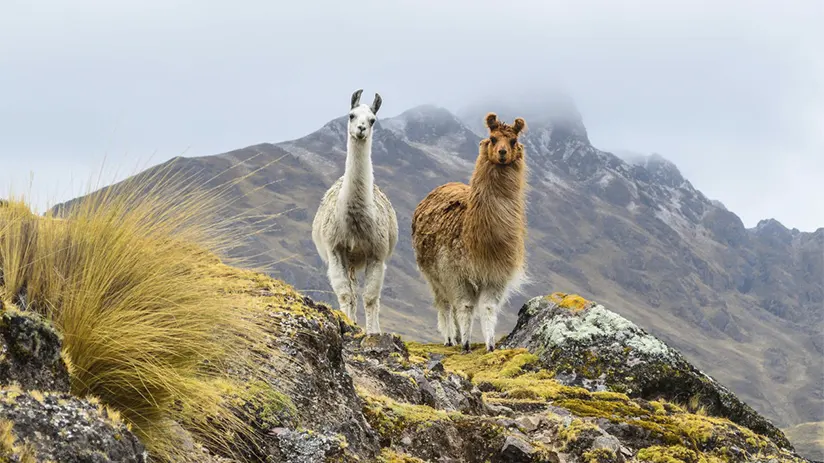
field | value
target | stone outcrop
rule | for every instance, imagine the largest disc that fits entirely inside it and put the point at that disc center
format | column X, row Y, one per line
column 572, row 383
column 30, row 353
column 39, row 420
column 586, row 345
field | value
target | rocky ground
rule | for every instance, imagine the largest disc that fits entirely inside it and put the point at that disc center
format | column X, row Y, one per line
column 573, row 382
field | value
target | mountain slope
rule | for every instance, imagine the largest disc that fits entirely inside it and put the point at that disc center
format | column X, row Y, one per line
column 744, row 305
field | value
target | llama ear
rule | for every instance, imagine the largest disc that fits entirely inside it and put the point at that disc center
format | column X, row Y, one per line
column 376, row 105
column 519, row 125
column 356, row 98
column 492, row 121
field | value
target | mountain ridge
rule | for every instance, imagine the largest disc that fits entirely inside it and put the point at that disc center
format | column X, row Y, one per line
column 643, row 240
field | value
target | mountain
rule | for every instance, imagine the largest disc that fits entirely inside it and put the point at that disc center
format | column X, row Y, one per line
column 808, row 439
column 742, row 304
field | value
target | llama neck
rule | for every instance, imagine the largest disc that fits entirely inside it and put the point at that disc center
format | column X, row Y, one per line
column 358, row 179
column 496, row 218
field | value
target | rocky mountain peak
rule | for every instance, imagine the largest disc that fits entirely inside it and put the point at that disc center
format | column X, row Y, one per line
column 661, row 170
column 426, row 124
column 547, row 115
column 774, row 230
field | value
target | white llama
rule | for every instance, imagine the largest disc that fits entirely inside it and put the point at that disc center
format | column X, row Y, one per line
column 355, row 226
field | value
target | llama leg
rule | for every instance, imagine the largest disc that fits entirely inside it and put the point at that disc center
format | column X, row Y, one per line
column 372, row 295
column 463, row 309
column 342, row 284
column 446, row 323
column 464, row 315
column 456, row 329
column 488, row 304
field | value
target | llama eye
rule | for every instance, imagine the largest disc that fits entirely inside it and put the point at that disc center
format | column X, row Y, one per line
column 493, row 140
column 512, row 142
column 351, row 116
column 371, row 121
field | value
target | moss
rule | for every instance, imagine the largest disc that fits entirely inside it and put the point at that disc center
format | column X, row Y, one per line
column 569, row 301
column 416, row 360
column 570, row 434
column 390, row 418
column 673, row 454
column 514, row 373
column 658, row 408
column 607, row 395
column 390, row 456
column 599, row 456
column 37, row 395
column 270, row 406
column 676, row 454
column 517, row 380
column 673, row 426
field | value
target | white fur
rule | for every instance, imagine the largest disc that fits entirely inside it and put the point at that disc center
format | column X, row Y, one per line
column 356, row 226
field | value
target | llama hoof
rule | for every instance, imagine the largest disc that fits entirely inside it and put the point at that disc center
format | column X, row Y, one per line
column 449, row 343
column 490, row 348
column 466, row 348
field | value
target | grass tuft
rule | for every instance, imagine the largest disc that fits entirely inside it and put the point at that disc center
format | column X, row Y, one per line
column 10, row 449
column 130, row 278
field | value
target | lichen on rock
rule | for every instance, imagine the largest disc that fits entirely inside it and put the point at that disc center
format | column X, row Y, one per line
column 30, row 352
column 596, row 349
column 59, row 427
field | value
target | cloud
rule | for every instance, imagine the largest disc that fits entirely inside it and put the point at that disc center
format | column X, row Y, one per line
column 730, row 92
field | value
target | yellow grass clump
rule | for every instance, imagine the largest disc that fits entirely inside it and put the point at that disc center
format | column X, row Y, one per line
column 11, row 449
column 128, row 276
column 569, row 301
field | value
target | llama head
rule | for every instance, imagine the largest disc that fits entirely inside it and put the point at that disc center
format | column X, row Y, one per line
column 502, row 145
column 362, row 117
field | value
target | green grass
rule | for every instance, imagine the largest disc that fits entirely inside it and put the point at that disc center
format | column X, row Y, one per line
column 129, row 276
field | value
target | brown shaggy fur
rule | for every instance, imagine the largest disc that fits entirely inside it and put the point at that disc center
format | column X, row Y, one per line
column 470, row 238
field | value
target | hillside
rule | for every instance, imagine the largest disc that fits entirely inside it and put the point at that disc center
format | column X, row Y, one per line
column 742, row 304
column 808, row 439
column 326, row 393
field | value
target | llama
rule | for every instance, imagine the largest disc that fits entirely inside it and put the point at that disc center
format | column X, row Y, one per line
column 356, row 227
column 469, row 239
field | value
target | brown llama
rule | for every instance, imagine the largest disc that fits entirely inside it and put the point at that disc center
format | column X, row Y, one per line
column 469, row 239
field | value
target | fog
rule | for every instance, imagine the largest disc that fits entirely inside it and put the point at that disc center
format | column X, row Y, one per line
column 732, row 92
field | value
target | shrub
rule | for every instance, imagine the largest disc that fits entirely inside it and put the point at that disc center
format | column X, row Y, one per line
column 127, row 275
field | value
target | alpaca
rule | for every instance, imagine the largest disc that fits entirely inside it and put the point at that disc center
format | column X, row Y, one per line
column 355, row 226
column 469, row 239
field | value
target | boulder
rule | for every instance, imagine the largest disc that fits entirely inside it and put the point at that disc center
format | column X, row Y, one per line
column 61, row 428
column 30, row 352
column 589, row 346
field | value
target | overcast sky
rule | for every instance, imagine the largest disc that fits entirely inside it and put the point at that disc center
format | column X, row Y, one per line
column 732, row 92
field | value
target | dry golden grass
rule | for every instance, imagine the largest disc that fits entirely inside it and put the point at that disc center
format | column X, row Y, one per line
column 10, row 449
column 128, row 276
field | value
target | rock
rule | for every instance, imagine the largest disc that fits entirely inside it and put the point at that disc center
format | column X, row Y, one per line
column 383, row 344
column 406, row 441
column 595, row 348
column 62, row 428
column 435, row 366
column 529, row 423
column 515, row 450
column 306, row 447
column 382, row 365
column 502, row 410
column 30, row 353
column 607, row 442
column 304, row 362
